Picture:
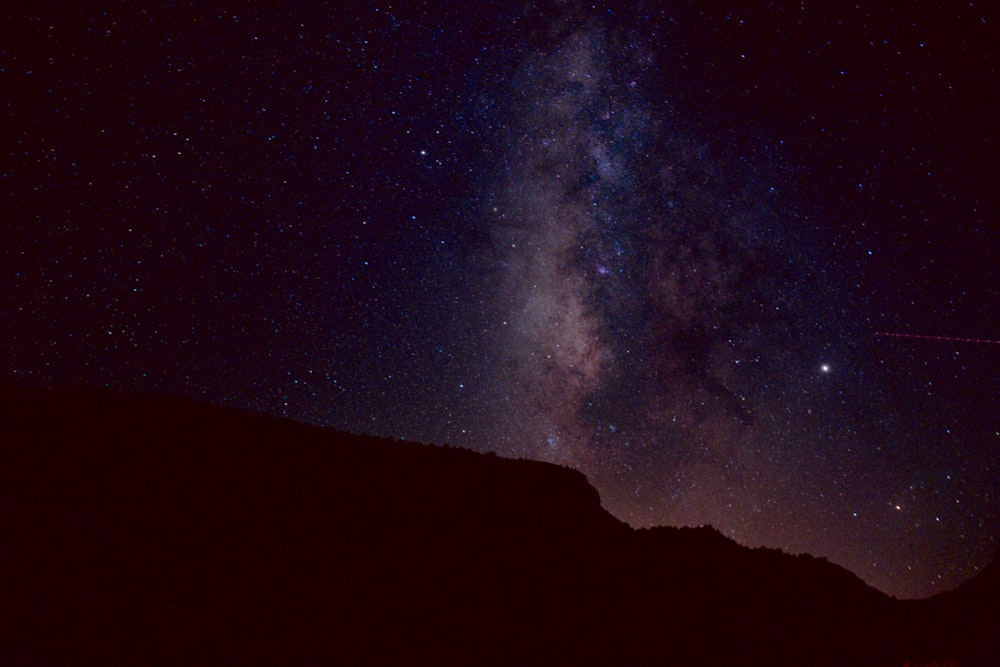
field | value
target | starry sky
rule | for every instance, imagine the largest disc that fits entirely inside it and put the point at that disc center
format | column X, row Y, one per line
column 663, row 243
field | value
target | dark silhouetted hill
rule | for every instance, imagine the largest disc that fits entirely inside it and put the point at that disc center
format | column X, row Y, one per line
column 140, row 530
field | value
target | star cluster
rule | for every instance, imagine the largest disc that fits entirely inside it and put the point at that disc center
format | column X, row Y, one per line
column 654, row 244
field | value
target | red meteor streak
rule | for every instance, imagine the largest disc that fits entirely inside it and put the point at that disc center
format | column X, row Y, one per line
column 951, row 338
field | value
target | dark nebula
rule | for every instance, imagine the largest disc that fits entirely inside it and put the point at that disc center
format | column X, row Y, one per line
column 650, row 243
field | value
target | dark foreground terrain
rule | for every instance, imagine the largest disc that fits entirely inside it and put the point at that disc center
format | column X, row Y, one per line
column 140, row 530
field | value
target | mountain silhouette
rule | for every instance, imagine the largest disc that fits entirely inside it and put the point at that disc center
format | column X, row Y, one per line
column 141, row 530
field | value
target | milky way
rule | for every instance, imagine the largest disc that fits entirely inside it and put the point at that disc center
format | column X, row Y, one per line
column 645, row 294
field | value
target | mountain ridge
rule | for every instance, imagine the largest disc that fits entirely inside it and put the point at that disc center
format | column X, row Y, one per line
column 163, row 530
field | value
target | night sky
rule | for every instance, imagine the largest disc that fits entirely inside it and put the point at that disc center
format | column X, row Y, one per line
column 655, row 243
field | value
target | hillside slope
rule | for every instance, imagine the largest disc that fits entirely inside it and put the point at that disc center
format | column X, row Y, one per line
column 142, row 530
